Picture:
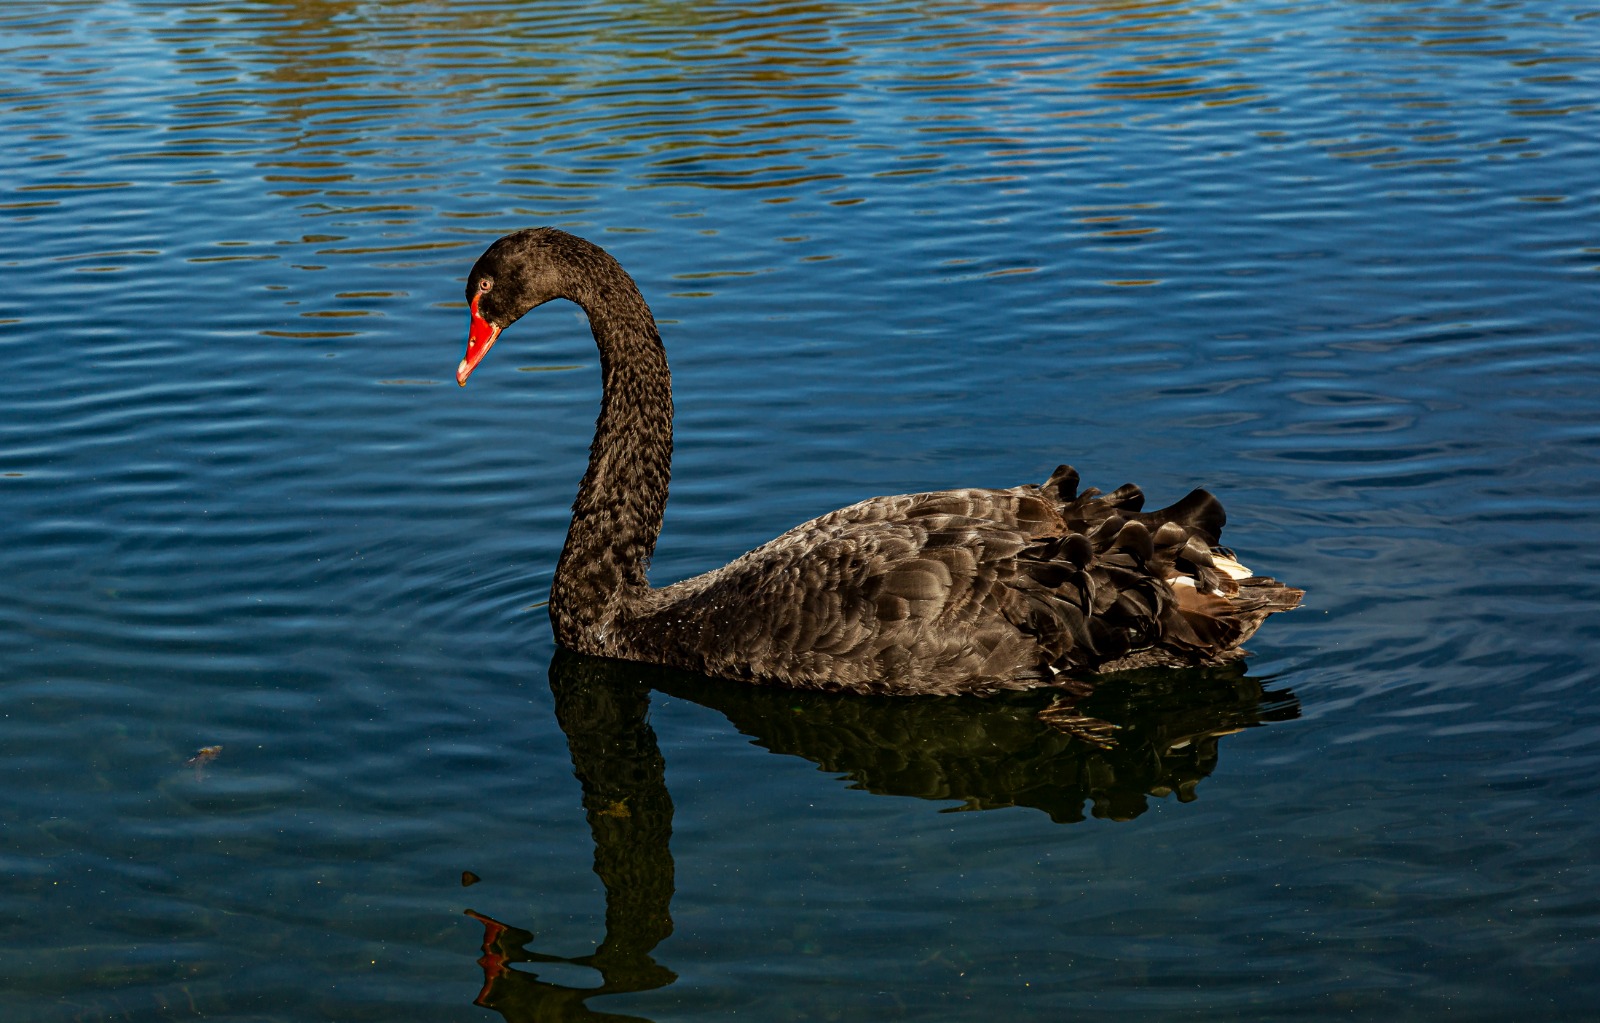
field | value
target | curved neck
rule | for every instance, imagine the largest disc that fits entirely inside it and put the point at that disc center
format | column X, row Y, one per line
column 618, row 512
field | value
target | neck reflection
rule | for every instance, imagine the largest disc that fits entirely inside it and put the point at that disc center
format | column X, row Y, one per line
column 619, row 766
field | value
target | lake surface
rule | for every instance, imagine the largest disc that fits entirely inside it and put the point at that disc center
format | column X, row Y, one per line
column 1337, row 261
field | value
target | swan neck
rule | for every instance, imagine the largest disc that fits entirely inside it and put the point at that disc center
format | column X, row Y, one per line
column 618, row 512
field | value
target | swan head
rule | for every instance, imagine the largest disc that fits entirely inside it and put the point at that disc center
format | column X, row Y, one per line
column 517, row 273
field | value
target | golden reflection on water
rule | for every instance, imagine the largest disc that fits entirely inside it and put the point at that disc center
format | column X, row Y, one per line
column 546, row 109
column 433, row 124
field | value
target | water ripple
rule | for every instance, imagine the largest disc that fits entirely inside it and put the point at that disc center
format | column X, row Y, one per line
column 1333, row 261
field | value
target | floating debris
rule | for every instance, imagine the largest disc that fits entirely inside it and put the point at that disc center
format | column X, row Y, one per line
column 202, row 756
column 468, row 879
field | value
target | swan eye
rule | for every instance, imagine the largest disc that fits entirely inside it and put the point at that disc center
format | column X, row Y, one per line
column 485, row 284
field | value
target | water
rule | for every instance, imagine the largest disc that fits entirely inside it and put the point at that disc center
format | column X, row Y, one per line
column 1336, row 261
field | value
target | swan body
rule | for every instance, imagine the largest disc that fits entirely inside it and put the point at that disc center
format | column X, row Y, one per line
column 956, row 591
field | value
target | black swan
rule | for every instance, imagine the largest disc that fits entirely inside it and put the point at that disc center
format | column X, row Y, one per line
column 959, row 591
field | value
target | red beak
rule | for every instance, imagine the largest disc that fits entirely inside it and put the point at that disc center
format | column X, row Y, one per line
column 480, row 338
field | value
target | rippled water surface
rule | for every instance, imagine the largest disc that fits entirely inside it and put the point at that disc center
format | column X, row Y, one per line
column 1336, row 261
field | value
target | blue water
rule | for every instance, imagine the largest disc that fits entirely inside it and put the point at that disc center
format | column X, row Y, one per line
column 1336, row 261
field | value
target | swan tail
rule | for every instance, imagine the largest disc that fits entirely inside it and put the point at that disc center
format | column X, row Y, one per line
column 1125, row 588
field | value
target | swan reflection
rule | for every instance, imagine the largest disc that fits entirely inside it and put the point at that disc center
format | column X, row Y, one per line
column 976, row 754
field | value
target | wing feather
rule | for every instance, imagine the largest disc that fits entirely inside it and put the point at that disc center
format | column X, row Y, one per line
column 970, row 591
